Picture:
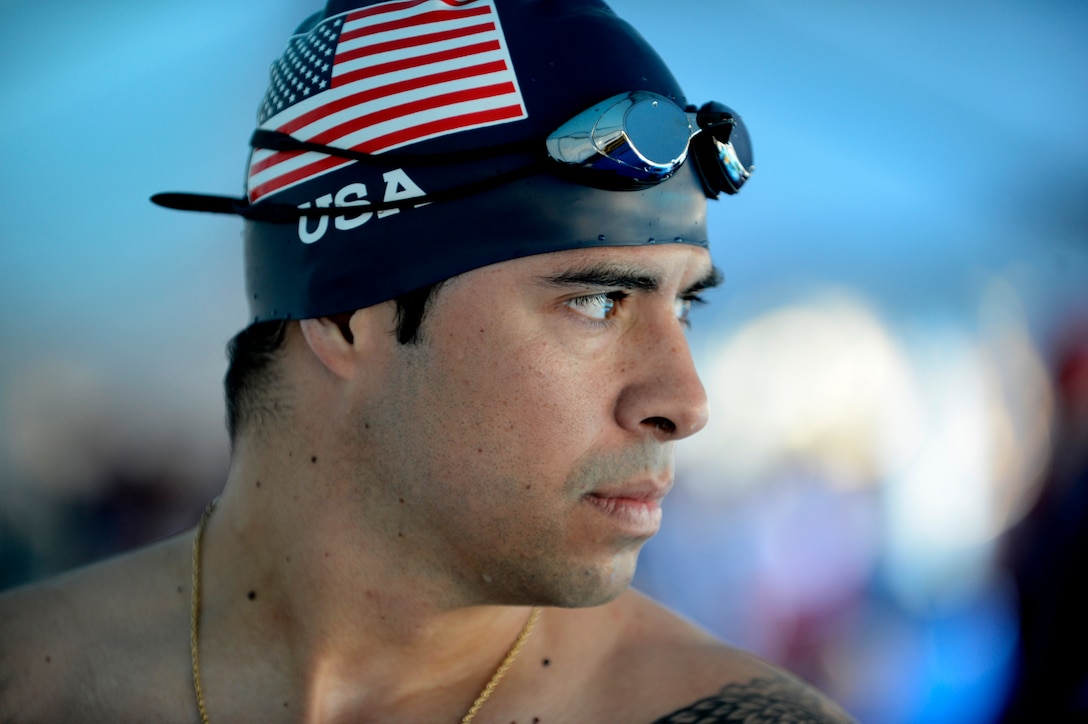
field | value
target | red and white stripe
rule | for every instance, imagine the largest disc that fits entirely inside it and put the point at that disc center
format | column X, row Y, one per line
column 404, row 71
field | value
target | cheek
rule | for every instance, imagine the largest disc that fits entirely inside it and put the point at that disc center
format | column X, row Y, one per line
column 524, row 402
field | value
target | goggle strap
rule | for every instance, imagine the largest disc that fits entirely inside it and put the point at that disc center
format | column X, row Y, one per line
column 286, row 143
column 714, row 121
column 278, row 213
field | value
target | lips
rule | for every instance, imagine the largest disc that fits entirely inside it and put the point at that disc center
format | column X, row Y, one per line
column 646, row 491
column 634, row 508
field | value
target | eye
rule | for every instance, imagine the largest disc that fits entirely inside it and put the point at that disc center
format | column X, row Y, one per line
column 682, row 307
column 598, row 307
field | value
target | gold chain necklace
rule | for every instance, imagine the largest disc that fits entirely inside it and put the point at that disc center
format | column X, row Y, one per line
column 194, row 636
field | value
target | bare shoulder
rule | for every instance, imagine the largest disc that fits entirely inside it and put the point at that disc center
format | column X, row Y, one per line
column 662, row 669
column 103, row 640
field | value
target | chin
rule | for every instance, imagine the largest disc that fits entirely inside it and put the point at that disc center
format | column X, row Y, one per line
column 595, row 585
column 560, row 582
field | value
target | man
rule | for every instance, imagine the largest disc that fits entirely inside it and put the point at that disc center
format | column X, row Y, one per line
column 474, row 229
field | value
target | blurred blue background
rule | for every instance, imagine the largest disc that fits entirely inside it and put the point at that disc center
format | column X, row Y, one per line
column 886, row 500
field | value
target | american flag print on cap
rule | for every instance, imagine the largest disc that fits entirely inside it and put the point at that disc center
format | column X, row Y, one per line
column 381, row 77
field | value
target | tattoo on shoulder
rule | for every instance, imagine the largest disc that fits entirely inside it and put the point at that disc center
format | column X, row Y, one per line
column 761, row 701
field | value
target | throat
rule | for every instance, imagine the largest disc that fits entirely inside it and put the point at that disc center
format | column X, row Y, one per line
column 391, row 676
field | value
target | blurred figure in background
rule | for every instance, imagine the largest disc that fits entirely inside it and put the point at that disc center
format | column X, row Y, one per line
column 1048, row 553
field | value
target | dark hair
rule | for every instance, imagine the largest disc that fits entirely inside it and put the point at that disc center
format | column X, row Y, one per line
column 252, row 353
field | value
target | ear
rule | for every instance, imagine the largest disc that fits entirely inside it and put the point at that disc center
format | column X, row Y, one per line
column 343, row 341
column 329, row 345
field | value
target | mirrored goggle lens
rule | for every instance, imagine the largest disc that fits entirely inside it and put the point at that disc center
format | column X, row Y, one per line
column 634, row 138
column 722, row 149
column 642, row 138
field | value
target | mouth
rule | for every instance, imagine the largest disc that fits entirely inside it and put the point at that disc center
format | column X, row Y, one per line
column 636, row 508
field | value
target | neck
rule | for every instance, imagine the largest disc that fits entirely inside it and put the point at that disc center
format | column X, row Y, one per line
column 289, row 558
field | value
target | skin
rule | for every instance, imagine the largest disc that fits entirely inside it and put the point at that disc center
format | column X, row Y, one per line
column 378, row 542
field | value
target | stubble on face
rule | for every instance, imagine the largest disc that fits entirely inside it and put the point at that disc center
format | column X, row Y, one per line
column 495, row 432
column 505, row 533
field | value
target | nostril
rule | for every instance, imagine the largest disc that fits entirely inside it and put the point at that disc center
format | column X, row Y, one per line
column 663, row 424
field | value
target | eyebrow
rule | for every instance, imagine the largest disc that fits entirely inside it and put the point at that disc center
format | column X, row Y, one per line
column 713, row 278
column 614, row 275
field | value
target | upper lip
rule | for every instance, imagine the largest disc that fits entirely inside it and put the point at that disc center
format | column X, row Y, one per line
column 644, row 489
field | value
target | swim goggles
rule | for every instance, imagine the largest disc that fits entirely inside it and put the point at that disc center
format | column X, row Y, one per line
column 629, row 141
column 641, row 138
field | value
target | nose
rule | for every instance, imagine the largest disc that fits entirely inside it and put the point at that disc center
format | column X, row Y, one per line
column 663, row 395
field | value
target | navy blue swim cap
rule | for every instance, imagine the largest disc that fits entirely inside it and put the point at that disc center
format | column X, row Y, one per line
column 414, row 133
